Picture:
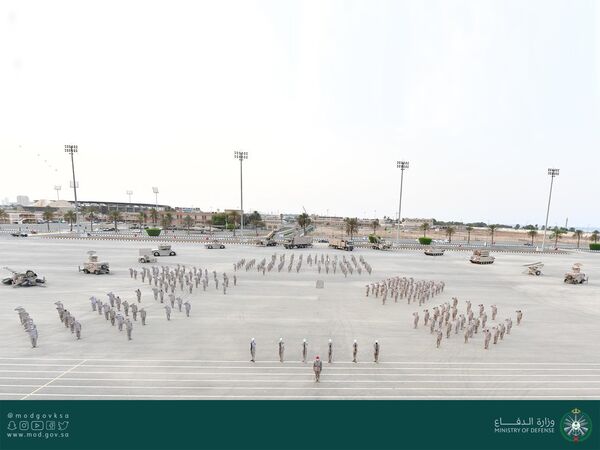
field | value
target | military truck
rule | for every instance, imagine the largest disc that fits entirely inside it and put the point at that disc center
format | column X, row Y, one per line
column 92, row 265
column 341, row 244
column 163, row 250
column 481, row 257
column 576, row 276
column 299, row 242
column 146, row 256
column 267, row 241
column 380, row 244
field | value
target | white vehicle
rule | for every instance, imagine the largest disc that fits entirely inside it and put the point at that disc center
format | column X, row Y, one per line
column 92, row 265
column 163, row 250
column 299, row 242
column 146, row 256
column 214, row 245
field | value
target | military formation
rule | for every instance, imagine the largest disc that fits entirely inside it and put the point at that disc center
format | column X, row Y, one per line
column 446, row 320
column 68, row 319
column 323, row 263
column 404, row 288
column 28, row 325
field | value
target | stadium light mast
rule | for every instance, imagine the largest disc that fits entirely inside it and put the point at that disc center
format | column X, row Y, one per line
column 72, row 149
column 241, row 156
column 57, row 189
column 553, row 173
column 129, row 194
column 155, row 190
column 402, row 165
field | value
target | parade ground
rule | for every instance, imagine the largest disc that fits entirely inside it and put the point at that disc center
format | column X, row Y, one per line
column 553, row 354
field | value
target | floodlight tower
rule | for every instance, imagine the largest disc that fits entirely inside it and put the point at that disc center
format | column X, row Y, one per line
column 57, row 189
column 241, row 156
column 553, row 173
column 129, row 194
column 402, row 165
column 155, row 190
column 71, row 149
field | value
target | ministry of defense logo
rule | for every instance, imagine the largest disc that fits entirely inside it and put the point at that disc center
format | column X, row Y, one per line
column 576, row 426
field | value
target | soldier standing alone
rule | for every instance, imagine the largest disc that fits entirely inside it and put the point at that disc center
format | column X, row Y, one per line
column 317, row 367
column 252, row 350
column 376, row 352
column 281, row 349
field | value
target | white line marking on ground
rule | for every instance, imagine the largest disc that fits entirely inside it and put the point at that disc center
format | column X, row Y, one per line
column 349, row 397
column 45, row 385
column 309, row 380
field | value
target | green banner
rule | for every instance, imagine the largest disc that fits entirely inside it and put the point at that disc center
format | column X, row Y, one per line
column 299, row 425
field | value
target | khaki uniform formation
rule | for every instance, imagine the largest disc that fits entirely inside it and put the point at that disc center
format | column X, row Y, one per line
column 321, row 262
column 68, row 320
column 117, row 312
column 405, row 288
column 445, row 320
column 28, row 325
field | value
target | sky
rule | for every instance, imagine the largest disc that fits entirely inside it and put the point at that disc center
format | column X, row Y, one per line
column 481, row 97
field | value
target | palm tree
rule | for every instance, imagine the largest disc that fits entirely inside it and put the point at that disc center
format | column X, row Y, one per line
column 556, row 235
column 578, row 234
column 492, row 229
column 449, row 232
column 595, row 236
column 304, row 221
column 115, row 216
column 188, row 221
column 142, row 216
column 351, row 226
column 375, row 224
column 235, row 218
column 532, row 234
column 48, row 215
column 167, row 219
column 469, row 230
column 424, row 227
column 154, row 215
column 91, row 215
column 70, row 217
column 3, row 215
column 255, row 220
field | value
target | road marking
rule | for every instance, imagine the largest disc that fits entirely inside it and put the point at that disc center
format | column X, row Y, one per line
column 54, row 379
column 307, row 379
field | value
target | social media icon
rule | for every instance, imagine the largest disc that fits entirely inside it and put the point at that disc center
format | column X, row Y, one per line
column 23, row 425
column 12, row 425
column 50, row 425
column 37, row 425
column 62, row 426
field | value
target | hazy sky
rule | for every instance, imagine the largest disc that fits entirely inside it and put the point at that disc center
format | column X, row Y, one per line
column 480, row 96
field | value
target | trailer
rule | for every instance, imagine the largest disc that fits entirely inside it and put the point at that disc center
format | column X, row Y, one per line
column 267, row 241
column 299, row 242
column 341, row 244
column 146, row 256
column 534, row 268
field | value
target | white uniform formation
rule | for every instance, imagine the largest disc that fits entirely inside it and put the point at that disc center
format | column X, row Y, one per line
column 28, row 325
column 322, row 262
column 446, row 320
column 402, row 287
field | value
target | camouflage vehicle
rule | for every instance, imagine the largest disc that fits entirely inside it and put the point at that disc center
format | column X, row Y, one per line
column 23, row 279
column 534, row 268
column 481, row 257
column 92, row 265
column 380, row 244
column 576, row 276
column 433, row 251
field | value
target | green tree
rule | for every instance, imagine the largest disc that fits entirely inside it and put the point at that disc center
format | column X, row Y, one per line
column 255, row 220
column 154, row 216
column 167, row 219
column 595, row 236
column 91, row 214
column 424, row 227
column 115, row 216
column 556, row 235
column 450, row 231
column 578, row 234
column 142, row 217
column 188, row 221
column 48, row 216
column 532, row 234
column 492, row 229
column 469, row 230
column 70, row 217
column 303, row 221
column 375, row 224
column 351, row 225
column 233, row 219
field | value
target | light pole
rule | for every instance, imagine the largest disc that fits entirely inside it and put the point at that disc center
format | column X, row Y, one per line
column 71, row 149
column 155, row 190
column 553, row 173
column 402, row 165
column 57, row 189
column 129, row 194
column 241, row 156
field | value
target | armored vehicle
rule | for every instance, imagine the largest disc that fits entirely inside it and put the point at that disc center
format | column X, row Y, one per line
column 576, row 276
column 92, row 265
column 433, row 251
column 482, row 257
